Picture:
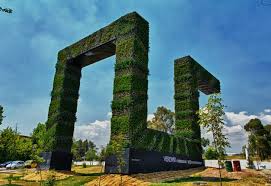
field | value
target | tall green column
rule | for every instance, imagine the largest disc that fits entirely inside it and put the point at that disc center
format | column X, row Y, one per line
column 63, row 106
column 186, row 98
column 129, row 105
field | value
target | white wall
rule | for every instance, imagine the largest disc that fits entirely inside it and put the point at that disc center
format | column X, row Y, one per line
column 87, row 162
column 208, row 163
column 243, row 163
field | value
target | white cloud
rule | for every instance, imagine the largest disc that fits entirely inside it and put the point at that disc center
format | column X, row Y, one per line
column 234, row 128
column 267, row 110
column 98, row 132
column 150, row 116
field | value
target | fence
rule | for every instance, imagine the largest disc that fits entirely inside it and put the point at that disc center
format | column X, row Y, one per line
column 243, row 163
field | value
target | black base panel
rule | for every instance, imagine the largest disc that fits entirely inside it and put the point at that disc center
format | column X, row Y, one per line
column 111, row 164
column 56, row 160
column 142, row 161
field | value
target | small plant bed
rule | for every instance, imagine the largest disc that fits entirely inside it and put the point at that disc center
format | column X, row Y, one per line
column 79, row 176
column 45, row 175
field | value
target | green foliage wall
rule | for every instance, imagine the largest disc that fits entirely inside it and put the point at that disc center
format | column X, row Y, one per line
column 186, row 99
column 129, row 105
column 63, row 106
column 189, row 77
column 130, row 35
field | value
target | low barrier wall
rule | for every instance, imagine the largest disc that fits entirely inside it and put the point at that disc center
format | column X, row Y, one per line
column 87, row 162
column 243, row 163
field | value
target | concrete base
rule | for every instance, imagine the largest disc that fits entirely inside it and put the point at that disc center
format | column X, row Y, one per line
column 141, row 161
column 56, row 160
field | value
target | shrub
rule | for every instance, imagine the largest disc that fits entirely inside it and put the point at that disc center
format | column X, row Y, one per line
column 211, row 154
column 51, row 180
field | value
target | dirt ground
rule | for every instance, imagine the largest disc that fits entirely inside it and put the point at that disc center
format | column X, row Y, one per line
column 245, row 177
column 44, row 175
column 89, row 177
column 115, row 180
column 143, row 179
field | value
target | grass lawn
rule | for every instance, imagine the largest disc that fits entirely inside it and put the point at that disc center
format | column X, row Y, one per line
column 81, row 176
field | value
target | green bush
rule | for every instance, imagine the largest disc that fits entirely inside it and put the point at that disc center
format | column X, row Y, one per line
column 51, row 180
column 210, row 153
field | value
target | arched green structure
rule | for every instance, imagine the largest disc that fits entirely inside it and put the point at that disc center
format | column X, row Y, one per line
column 128, row 39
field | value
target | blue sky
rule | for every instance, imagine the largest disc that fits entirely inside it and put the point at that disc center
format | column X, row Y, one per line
column 229, row 38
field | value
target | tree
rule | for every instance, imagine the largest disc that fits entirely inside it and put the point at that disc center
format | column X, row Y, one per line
column 7, row 147
column 115, row 148
column 211, row 117
column 14, row 146
column 74, row 150
column 38, row 137
column 268, row 129
column 1, row 114
column 259, row 139
column 80, row 148
column 205, row 142
column 254, row 126
column 91, row 154
column 210, row 153
column 102, row 154
column 163, row 120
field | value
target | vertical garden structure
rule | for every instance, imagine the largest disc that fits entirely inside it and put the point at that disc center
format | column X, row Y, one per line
column 147, row 150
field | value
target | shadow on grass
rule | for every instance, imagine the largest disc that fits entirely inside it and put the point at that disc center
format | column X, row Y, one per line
column 13, row 177
column 88, row 174
column 198, row 178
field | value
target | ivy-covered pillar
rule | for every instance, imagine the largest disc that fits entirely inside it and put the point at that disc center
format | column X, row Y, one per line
column 62, row 113
column 129, row 105
column 189, row 78
column 186, row 99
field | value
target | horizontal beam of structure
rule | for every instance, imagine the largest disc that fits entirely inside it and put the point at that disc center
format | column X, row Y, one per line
column 96, row 54
column 207, row 83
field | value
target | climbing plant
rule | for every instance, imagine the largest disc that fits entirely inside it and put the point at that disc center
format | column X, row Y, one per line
column 128, row 38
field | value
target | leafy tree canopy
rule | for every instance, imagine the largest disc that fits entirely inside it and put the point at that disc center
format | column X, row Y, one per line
column 38, row 137
column 14, row 146
column 205, row 142
column 163, row 120
column 259, row 139
column 210, row 153
column 84, row 150
column 268, row 128
column 211, row 117
column 254, row 125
